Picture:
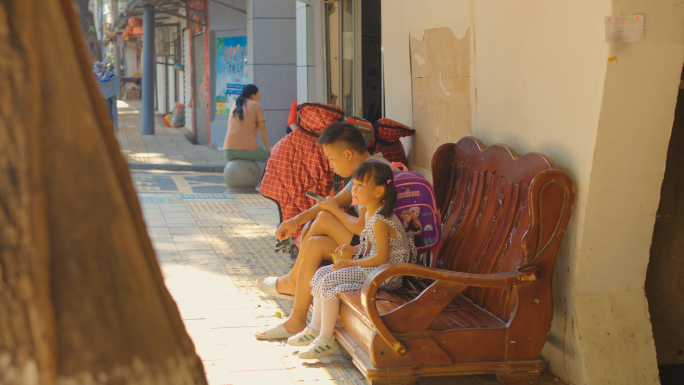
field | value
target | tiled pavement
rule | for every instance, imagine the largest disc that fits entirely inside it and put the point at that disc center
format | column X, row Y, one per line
column 211, row 247
column 211, row 251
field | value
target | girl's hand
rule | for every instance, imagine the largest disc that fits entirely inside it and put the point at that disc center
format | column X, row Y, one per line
column 342, row 263
column 351, row 249
column 329, row 204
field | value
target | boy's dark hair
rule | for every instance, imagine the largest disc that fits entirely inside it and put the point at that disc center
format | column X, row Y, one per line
column 345, row 133
column 382, row 176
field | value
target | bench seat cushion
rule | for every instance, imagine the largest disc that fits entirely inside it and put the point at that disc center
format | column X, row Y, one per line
column 461, row 314
column 449, row 339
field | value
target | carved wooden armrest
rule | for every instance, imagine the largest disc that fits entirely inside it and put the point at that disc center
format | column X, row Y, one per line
column 457, row 282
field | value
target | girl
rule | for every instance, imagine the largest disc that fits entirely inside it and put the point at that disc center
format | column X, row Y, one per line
column 383, row 240
column 245, row 118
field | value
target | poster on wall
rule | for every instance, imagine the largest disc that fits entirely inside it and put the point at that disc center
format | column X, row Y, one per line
column 231, row 71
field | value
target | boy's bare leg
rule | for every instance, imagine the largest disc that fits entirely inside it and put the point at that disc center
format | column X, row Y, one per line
column 314, row 250
column 325, row 224
column 319, row 249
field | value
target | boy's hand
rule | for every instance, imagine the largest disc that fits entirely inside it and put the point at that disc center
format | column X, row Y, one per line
column 286, row 228
column 342, row 263
column 329, row 204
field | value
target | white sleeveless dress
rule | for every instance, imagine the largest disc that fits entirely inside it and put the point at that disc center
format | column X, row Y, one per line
column 326, row 283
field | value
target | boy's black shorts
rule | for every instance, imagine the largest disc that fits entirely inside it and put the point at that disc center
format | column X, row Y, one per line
column 355, row 240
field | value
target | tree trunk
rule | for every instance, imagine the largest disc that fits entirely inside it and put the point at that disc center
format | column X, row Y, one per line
column 82, row 299
column 87, row 23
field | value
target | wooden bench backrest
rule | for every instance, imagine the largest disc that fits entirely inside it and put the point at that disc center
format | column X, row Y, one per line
column 500, row 212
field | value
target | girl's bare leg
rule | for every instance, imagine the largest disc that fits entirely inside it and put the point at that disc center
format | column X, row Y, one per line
column 316, row 315
column 330, row 309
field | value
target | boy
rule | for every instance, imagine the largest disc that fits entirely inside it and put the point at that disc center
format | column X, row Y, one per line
column 345, row 148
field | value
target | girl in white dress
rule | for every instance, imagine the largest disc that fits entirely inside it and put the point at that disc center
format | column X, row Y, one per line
column 383, row 240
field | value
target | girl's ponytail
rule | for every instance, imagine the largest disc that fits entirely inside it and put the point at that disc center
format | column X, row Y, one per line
column 247, row 91
column 390, row 197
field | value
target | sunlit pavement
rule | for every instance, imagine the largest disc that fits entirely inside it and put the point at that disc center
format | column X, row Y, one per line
column 211, row 248
column 167, row 148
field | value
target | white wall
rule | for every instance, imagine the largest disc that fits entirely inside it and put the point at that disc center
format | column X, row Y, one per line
column 223, row 21
column 303, row 18
column 160, row 87
column 187, row 79
column 311, row 72
column 272, row 60
column 131, row 61
column 543, row 82
column 549, row 86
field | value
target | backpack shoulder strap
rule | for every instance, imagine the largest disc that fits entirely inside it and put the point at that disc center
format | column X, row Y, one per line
column 398, row 166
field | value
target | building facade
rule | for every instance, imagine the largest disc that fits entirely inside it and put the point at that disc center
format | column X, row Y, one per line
column 540, row 76
column 537, row 75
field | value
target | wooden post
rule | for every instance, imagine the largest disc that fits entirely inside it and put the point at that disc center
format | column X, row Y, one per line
column 82, row 298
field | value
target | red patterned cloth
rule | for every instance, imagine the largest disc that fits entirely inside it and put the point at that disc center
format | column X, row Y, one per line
column 298, row 164
column 387, row 134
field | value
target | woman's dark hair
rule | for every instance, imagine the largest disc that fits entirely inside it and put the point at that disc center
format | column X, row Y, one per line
column 247, row 91
column 343, row 133
column 382, row 176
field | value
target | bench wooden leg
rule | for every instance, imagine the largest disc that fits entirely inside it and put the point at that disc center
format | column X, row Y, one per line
column 524, row 378
column 397, row 381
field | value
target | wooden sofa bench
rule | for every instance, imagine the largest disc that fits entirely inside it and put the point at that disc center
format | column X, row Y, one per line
column 488, row 308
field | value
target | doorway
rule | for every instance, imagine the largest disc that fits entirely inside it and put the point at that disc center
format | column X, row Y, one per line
column 665, row 274
column 354, row 57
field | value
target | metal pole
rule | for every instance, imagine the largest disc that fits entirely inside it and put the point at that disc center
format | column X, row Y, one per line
column 115, row 17
column 148, row 64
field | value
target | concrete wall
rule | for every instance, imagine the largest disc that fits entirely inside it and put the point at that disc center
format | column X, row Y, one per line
column 131, row 62
column 304, row 20
column 223, row 22
column 272, row 60
column 187, row 80
column 544, row 79
column 434, row 38
column 310, row 50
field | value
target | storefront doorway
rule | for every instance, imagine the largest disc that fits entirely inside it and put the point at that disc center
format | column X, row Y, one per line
column 354, row 57
column 664, row 284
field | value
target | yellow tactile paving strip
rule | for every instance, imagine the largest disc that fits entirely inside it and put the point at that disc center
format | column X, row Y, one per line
column 245, row 245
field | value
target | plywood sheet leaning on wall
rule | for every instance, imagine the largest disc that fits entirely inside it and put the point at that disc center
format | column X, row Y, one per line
column 440, row 79
column 82, row 299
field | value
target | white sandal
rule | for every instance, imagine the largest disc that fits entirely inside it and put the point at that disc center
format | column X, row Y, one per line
column 268, row 286
column 277, row 332
column 304, row 338
column 320, row 347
